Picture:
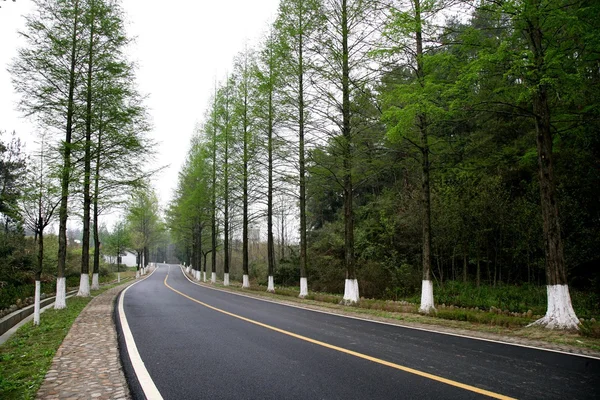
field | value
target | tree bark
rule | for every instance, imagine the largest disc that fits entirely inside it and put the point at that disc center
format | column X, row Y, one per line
column 270, row 239
column 87, row 161
column 560, row 313
column 351, row 294
column 96, row 211
column 226, row 194
column 66, row 170
column 214, row 192
column 427, row 304
column 245, row 249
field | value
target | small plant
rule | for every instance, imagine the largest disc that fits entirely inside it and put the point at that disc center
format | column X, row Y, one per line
column 590, row 329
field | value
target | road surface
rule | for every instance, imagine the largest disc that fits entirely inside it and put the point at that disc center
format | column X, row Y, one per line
column 200, row 343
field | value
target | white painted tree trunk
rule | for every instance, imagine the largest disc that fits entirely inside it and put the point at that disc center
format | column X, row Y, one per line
column 118, row 277
column 351, row 294
column 245, row 282
column 61, row 294
column 271, row 286
column 36, row 304
column 187, row 270
column 427, row 305
column 84, row 286
column 560, row 313
column 204, row 276
column 213, row 277
column 226, row 279
column 198, row 275
column 95, row 282
column 303, row 288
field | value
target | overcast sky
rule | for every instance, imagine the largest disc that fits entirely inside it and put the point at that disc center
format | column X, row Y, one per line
column 180, row 51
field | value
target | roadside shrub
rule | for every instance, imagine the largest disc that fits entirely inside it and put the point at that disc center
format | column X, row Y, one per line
column 590, row 329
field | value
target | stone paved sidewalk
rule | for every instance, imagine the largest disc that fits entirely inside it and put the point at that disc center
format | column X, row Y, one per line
column 87, row 364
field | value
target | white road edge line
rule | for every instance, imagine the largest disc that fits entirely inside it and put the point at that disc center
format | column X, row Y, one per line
column 146, row 382
column 393, row 324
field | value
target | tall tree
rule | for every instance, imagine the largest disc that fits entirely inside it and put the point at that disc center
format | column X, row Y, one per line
column 38, row 206
column 47, row 72
column 225, row 128
column 117, row 242
column 343, row 75
column 297, row 23
column 213, row 189
column 144, row 223
column 414, row 108
column 268, row 74
column 244, row 81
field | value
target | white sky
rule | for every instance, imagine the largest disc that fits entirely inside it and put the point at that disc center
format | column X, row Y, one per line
column 180, row 50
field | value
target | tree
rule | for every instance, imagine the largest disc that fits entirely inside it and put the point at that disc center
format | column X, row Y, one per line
column 117, row 242
column 38, row 206
column 343, row 76
column 244, row 81
column 47, row 73
column 414, row 107
column 544, row 55
column 143, row 221
column 12, row 171
column 268, row 76
column 296, row 25
column 225, row 121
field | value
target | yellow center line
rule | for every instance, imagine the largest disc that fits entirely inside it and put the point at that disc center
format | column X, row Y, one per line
column 350, row 352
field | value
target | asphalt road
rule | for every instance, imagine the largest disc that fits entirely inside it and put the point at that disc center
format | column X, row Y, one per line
column 193, row 351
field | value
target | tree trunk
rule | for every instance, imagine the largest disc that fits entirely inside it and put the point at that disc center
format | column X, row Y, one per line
column 213, row 236
column 427, row 304
column 351, row 292
column 301, row 160
column 465, row 267
column 560, row 313
column 96, row 211
column 226, row 197
column 60, row 302
column 84, row 286
column 478, row 270
column 245, row 261
column 40, row 265
column 270, row 239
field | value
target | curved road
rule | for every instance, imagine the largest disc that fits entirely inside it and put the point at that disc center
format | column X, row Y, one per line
column 200, row 343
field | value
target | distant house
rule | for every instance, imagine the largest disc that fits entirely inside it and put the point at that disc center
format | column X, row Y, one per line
column 128, row 258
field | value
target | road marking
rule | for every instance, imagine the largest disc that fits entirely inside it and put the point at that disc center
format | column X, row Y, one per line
column 346, row 351
column 141, row 372
column 399, row 325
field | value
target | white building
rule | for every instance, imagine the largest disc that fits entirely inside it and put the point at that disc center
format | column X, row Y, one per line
column 128, row 259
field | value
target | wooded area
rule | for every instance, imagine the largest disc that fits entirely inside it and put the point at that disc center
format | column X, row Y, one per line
column 409, row 144
column 78, row 87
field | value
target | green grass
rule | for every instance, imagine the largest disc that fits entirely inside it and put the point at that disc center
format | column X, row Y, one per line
column 27, row 355
column 458, row 301
column 514, row 298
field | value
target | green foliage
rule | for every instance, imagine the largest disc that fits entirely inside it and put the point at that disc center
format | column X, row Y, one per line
column 590, row 329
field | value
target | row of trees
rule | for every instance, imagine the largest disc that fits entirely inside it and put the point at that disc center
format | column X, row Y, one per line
column 78, row 86
column 434, row 133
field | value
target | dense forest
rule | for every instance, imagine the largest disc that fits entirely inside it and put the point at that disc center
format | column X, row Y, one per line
column 390, row 149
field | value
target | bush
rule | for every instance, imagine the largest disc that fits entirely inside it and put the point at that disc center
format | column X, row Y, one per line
column 515, row 298
column 590, row 329
column 287, row 274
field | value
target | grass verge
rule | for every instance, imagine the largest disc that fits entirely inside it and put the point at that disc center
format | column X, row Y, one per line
column 27, row 355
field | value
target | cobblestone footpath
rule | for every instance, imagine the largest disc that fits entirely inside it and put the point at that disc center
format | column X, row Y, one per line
column 87, row 364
